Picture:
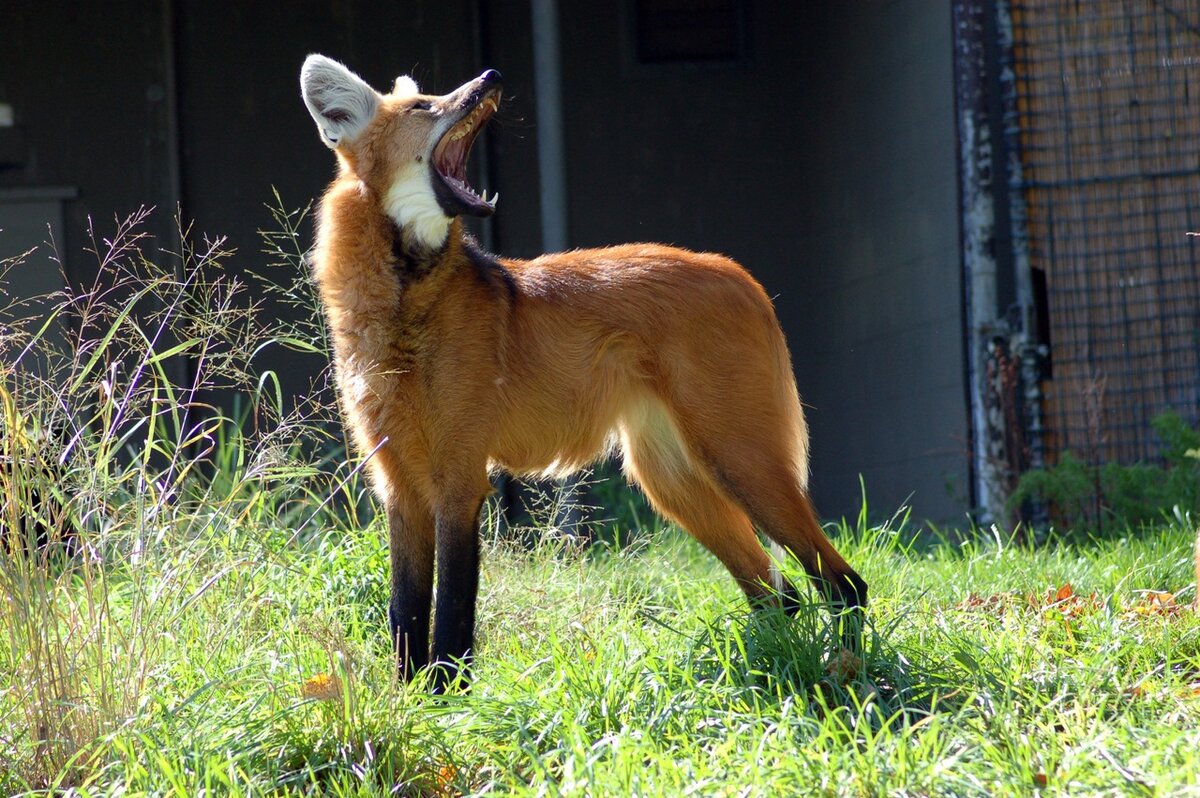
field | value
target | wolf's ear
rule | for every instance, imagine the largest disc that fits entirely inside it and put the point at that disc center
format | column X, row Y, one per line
column 405, row 86
column 340, row 102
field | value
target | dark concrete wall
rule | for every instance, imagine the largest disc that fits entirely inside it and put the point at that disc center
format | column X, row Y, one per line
column 825, row 163
column 87, row 85
column 511, row 138
column 880, row 327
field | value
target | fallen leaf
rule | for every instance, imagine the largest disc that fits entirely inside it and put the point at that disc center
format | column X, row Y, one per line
column 843, row 666
column 997, row 602
column 1158, row 603
column 1070, row 603
column 1142, row 688
column 446, row 776
column 322, row 687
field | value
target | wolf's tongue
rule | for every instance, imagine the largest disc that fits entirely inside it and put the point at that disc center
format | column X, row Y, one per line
column 451, row 158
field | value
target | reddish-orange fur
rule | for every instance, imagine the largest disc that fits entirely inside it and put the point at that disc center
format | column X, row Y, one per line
column 673, row 357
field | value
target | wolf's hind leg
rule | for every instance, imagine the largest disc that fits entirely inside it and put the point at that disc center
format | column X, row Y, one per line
column 783, row 510
column 753, row 452
column 656, row 460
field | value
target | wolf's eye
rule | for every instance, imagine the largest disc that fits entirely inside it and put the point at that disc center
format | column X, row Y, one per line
column 422, row 105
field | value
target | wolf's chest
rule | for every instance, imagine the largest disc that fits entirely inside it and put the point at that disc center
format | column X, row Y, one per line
column 379, row 394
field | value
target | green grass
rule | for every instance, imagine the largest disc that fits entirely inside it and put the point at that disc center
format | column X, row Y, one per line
column 218, row 567
column 619, row 672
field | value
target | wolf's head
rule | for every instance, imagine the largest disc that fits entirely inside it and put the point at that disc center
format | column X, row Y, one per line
column 409, row 148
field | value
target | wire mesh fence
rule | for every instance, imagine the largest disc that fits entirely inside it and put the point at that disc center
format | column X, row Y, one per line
column 1108, row 110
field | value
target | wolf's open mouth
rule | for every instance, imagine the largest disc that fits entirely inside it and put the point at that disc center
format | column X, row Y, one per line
column 450, row 156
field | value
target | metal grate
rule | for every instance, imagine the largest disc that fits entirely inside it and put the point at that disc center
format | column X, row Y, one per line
column 1108, row 107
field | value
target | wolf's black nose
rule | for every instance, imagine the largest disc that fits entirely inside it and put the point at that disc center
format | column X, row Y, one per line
column 491, row 75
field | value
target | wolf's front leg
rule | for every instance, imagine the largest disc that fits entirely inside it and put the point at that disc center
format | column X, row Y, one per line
column 458, row 585
column 411, row 539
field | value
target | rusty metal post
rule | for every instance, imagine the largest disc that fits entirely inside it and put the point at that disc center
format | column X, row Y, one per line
column 977, row 203
column 1029, row 349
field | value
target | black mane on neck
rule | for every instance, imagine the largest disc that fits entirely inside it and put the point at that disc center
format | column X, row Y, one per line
column 410, row 265
column 489, row 269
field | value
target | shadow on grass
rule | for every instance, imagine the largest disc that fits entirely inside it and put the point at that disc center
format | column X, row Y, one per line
column 768, row 658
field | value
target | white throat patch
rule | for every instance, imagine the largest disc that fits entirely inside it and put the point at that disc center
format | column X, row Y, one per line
column 414, row 208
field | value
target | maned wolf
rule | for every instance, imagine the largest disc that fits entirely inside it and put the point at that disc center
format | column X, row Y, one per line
column 452, row 362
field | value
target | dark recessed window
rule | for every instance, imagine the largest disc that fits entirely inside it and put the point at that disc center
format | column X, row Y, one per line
column 683, row 31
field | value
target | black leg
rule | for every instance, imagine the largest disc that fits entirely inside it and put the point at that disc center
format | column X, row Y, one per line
column 458, row 585
column 790, row 598
column 412, row 592
column 851, row 590
column 847, row 596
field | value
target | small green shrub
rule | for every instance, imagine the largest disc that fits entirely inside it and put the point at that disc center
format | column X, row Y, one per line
column 1084, row 495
